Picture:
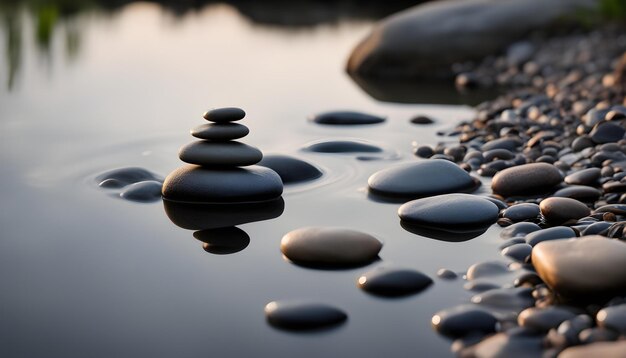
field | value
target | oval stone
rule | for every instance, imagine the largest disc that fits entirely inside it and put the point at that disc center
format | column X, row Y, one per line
column 291, row 170
column 342, row 146
column 220, row 154
column 544, row 319
column 526, row 179
column 450, row 212
column 613, row 317
column 585, row 267
column 519, row 229
column 330, row 247
column 301, row 315
column 393, row 282
column 607, row 132
column 587, row 176
column 424, row 178
column 553, row 233
column 197, row 184
column 582, row 193
column 220, row 131
column 521, row 212
column 119, row 178
column 346, row 118
column 463, row 320
column 223, row 241
column 224, row 115
column 143, row 191
column 559, row 210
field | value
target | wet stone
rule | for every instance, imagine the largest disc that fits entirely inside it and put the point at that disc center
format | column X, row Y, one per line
column 346, row 118
column 509, row 144
column 464, row 320
column 543, row 319
column 220, row 131
column 519, row 229
column 301, row 315
column 601, row 349
column 587, row 176
column 571, row 328
column 511, row 242
column 479, row 286
column 424, row 151
column 393, row 282
column 598, row 228
column 487, row 269
column 553, row 233
column 422, row 120
column 597, row 334
column 220, row 154
column 197, row 184
column 607, row 132
column 342, row 146
column 144, row 191
column 518, row 252
column 582, row 193
column 526, row 179
column 586, row 267
column 446, row 274
column 224, row 115
column 613, row 317
column 420, row 179
column 521, row 212
column 119, row 178
column 560, row 210
column 330, row 247
column 450, row 212
column 223, row 241
column 291, row 170
column 506, row 345
column 506, row 299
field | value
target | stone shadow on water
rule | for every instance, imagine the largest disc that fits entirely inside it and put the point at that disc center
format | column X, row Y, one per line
column 456, row 234
column 215, row 223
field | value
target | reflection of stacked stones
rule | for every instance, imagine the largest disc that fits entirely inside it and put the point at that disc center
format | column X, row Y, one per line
column 222, row 187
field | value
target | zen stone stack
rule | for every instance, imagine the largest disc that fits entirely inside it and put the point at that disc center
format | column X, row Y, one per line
column 221, row 169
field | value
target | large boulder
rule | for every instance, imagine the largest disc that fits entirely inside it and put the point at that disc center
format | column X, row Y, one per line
column 425, row 40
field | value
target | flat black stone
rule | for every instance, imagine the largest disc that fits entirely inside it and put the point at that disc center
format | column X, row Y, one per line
column 464, row 320
column 421, row 179
column 519, row 229
column 582, row 193
column 518, row 252
column 300, row 315
column 422, row 120
column 291, row 170
column 393, row 282
column 143, row 191
column 553, row 233
column 198, row 184
column 346, row 118
column 220, row 131
column 224, row 115
column 223, row 241
column 450, row 212
column 521, row 212
column 220, row 154
column 509, row 144
column 607, row 132
column 342, row 146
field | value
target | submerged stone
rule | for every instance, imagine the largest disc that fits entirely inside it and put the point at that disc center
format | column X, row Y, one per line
column 220, row 154
column 330, row 247
column 582, row 268
column 342, row 146
column 223, row 241
column 346, row 118
column 197, row 184
column 143, row 191
column 301, row 315
column 224, row 115
column 291, row 170
column 220, row 131
column 526, row 179
column 119, row 178
column 393, row 282
column 420, row 179
column 450, row 212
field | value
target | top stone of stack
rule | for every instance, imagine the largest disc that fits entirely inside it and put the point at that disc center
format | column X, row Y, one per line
column 224, row 115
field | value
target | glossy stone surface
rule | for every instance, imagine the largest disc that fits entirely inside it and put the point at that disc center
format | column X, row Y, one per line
column 196, row 184
column 559, row 210
column 587, row 176
column 582, row 193
column 224, row 115
column 346, row 118
column 463, row 320
column 543, row 319
column 521, row 212
column 553, row 233
column 526, row 179
column 329, row 247
column 118, row 178
column 302, row 315
column 220, row 154
column 342, row 146
column 450, row 212
column 290, row 169
column 585, row 267
column 420, row 179
column 223, row 241
column 391, row 282
column 613, row 317
column 220, row 131
column 519, row 229
column 143, row 191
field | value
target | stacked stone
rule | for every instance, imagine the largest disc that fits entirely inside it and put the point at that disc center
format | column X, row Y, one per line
column 222, row 170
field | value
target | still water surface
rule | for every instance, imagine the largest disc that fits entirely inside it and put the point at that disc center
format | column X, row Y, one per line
column 84, row 274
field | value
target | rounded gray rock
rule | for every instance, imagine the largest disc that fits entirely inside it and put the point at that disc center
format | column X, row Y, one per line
column 220, row 154
column 301, row 315
column 559, row 210
column 526, row 179
column 224, row 115
column 392, row 282
column 220, row 131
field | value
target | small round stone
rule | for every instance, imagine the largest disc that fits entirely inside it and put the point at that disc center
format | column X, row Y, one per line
column 521, row 212
column 393, row 282
column 543, row 319
column 587, row 176
column 342, row 146
column 330, row 247
column 526, row 179
column 220, row 154
column 519, row 229
column 346, row 118
column 613, row 317
column 291, row 170
column 582, row 193
column 518, row 252
column 224, row 115
column 220, row 131
column 559, row 210
column 197, row 184
column 143, row 191
column 553, row 233
column 422, row 120
column 424, row 178
column 607, row 132
column 301, row 315
column 223, row 241
column 450, row 212
column 464, row 320
column 446, row 274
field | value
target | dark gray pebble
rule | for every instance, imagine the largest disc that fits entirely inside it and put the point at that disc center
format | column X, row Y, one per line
column 613, row 317
column 518, row 252
column 220, row 131
column 587, row 176
column 422, row 120
column 291, row 170
column 224, row 115
column 557, row 211
column 519, row 229
column 346, row 118
column 301, row 315
column 553, row 233
column 526, row 179
column 582, row 193
column 223, row 241
column 521, row 212
column 393, row 282
column 342, row 146
column 464, row 320
column 607, row 132
column 143, row 191
column 220, row 154
column 543, row 319
column 119, row 178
